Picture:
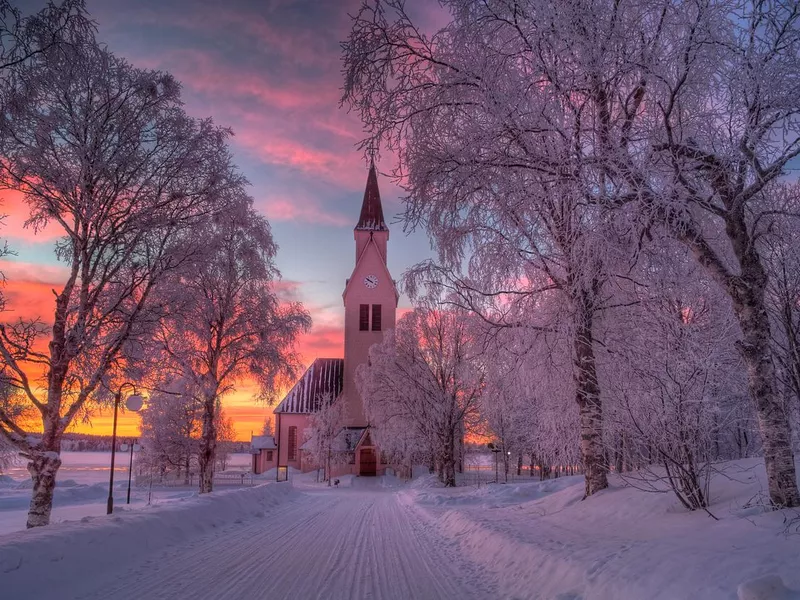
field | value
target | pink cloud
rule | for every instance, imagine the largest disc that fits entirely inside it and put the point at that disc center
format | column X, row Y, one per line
column 17, row 212
column 304, row 46
column 201, row 72
column 278, row 209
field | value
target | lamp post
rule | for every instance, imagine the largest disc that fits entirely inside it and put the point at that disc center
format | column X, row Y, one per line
column 134, row 403
column 134, row 446
column 496, row 451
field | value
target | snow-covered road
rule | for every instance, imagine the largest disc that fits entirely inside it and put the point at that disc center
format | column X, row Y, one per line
column 331, row 543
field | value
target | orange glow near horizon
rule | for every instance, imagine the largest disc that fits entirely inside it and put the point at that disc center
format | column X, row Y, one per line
column 29, row 295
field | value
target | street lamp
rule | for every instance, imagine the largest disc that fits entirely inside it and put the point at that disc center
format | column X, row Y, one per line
column 133, row 446
column 134, row 403
column 495, row 450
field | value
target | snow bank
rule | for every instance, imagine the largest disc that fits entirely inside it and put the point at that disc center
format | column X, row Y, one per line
column 79, row 549
column 540, row 540
column 770, row 587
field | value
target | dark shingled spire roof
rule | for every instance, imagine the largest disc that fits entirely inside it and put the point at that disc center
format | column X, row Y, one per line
column 371, row 210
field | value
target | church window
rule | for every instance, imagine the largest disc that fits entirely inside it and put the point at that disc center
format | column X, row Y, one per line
column 363, row 317
column 292, row 443
column 376, row 317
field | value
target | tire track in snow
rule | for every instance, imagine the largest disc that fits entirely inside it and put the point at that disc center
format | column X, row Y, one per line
column 326, row 545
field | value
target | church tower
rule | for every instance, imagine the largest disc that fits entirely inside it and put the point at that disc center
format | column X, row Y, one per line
column 370, row 296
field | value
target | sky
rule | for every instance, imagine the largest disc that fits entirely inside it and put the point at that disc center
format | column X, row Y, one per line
column 271, row 71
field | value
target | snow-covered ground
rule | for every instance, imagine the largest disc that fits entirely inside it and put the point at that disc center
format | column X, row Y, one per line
column 82, row 489
column 540, row 540
column 387, row 539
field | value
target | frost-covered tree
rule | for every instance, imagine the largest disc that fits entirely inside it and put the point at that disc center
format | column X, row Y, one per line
column 491, row 170
column 725, row 80
column 104, row 153
column 676, row 379
column 226, row 436
column 23, row 38
column 231, row 323
column 268, row 428
column 170, row 427
column 782, row 256
column 424, row 377
column 323, row 427
column 528, row 402
column 676, row 117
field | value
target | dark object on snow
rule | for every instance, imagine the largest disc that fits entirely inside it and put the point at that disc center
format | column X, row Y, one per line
column 336, row 482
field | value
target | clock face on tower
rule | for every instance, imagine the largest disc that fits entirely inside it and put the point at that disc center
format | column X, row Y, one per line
column 371, row 281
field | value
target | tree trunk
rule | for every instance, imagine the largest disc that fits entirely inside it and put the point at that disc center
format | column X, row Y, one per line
column 772, row 417
column 590, row 405
column 449, row 463
column 208, row 446
column 43, row 467
column 44, row 460
column 746, row 291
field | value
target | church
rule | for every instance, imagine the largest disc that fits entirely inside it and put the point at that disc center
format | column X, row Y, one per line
column 370, row 303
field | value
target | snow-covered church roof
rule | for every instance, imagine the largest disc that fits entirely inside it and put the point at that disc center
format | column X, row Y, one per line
column 262, row 442
column 348, row 439
column 324, row 377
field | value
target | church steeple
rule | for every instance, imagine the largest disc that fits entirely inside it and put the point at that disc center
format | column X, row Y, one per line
column 371, row 218
column 371, row 225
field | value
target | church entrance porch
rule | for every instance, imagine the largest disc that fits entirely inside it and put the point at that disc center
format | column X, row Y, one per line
column 368, row 462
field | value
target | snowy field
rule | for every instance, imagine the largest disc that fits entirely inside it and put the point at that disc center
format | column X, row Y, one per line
column 82, row 488
column 391, row 540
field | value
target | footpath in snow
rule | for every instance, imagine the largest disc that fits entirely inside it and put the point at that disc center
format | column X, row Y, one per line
column 272, row 541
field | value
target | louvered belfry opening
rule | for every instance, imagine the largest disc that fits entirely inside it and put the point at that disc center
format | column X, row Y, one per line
column 363, row 317
column 376, row 317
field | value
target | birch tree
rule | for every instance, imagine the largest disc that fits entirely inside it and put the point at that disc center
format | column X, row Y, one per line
column 424, row 376
column 24, row 38
column 492, row 172
column 676, row 378
column 231, row 324
column 323, row 427
column 722, row 81
column 170, row 427
column 105, row 153
column 782, row 258
column 678, row 115
column 226, row 436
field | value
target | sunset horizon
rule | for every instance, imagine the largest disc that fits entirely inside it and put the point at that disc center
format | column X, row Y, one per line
column 291, row 140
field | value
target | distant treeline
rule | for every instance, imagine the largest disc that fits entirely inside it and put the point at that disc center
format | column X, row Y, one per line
column 87, row 442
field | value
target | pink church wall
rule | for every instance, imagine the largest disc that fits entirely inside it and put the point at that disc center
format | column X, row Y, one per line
column 356, row 342
column 264, row 461
column 284, row 422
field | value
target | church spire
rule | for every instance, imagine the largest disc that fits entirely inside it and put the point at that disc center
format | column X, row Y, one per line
column 371, row 218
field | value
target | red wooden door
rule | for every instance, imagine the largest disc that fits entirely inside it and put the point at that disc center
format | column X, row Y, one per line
column 369, row 462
